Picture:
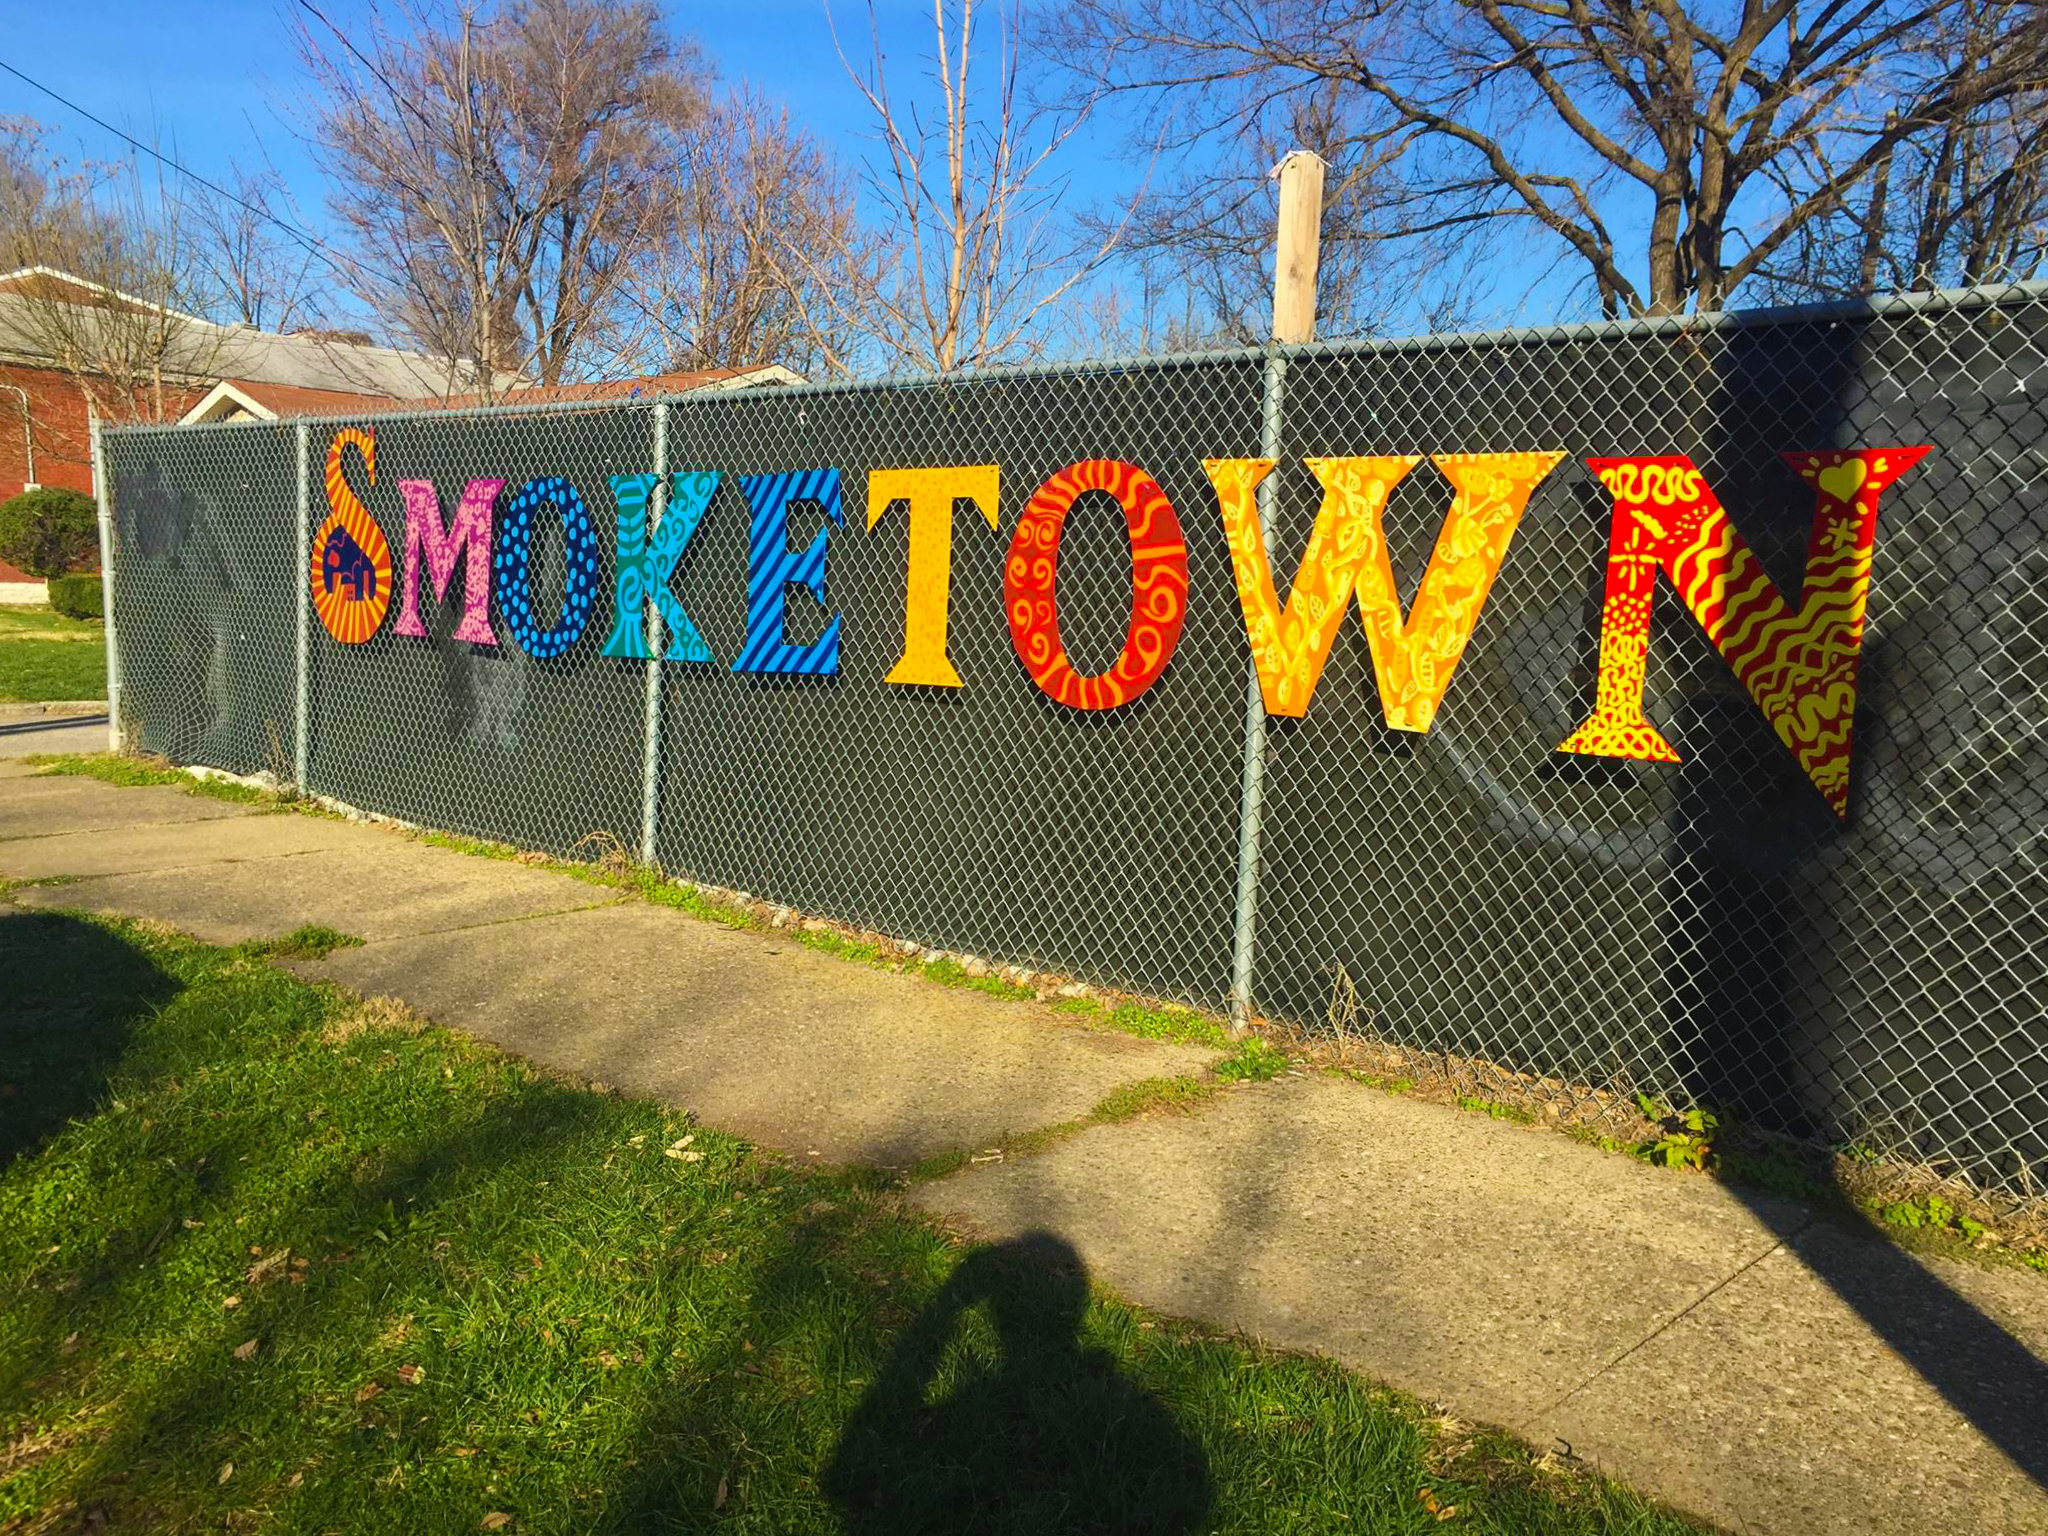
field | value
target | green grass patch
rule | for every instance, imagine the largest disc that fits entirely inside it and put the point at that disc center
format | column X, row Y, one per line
column 1149, row 1095
column 140, row 772
column 309, row 941
column 1184, row 1026
column 54, row 666
column 45, row 656
column 1372, row 1079
column 940, row 1165
column 829, row 941
column 687, row 898
column 1772, row 1168
column 39, row 621
column 950, row 973
column 1177, row 1095
column 475, row 847
column 1254, row 1061
column 268, row 1262
column 1494, row 1109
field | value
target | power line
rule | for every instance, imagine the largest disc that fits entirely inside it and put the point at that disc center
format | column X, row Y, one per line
column 370, row 64
column 311, row 242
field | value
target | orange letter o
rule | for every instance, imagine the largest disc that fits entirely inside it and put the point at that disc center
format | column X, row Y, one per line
column 1159, row 585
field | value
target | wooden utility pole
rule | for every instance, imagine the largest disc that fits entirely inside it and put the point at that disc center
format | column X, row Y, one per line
column 1301, row 227
column 1294, row 320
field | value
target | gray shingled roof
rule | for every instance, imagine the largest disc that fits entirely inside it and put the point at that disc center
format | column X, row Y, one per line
column 205, row 350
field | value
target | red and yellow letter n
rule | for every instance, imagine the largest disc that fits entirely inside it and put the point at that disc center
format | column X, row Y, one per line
column 1799, row 666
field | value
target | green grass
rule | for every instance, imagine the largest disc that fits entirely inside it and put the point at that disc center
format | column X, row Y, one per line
column 45, row 656
column 41, row 621
column 830, row 941
column 1494, row 1109
column 274, row 1260
column 139, row 772
column 34, row 671
column 309, row 941
column 1153, row 1095
column 951, row 973
column 1149, row 1095
column 474, row 847
column 1371, row 1079
column 1253, row 1062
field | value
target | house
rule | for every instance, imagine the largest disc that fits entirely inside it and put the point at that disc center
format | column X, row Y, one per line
column 216, row 372
column 46, row 407
column 243, row 399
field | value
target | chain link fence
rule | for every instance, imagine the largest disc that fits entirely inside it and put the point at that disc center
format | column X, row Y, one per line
column 1706, row 932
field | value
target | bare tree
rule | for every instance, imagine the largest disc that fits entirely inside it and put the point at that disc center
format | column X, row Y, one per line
column 981, row 247
column 41, row 199
column 254, row 273
column 1965, row 201
column 110, row 283
column 1656, row 143
column 764, row 259
column 1200, row 249
column 499, row 177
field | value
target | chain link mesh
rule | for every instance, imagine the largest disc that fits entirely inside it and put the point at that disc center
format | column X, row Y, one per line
column 1705, row 932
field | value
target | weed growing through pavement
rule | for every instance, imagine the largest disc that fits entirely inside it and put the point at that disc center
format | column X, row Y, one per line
column 310, row 941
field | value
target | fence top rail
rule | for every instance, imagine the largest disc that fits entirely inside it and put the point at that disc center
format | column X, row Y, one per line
column 1894, row 307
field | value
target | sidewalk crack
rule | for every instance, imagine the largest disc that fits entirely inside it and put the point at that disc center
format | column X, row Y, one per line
column 499, row 922
column 1670, row 1322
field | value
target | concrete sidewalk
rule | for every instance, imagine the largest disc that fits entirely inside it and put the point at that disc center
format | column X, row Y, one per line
column 1747, row 1358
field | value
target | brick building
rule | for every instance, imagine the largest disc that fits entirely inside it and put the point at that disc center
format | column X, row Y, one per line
column 52, row 324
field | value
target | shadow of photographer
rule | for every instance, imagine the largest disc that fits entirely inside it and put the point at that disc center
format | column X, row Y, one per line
column 1006, row 1422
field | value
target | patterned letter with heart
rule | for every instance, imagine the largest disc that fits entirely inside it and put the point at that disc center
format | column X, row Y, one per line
column 1800, row 667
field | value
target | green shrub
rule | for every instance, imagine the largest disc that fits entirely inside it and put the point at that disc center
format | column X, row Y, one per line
column 49, row 531
column 78, row 597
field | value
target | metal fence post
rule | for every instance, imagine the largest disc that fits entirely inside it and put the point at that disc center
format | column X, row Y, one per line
column 103, row 496
column 650, row 764
column 302, row 738
column 1251, row 806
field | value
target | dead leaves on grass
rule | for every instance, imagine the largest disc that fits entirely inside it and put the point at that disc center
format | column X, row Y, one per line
column 372, row 1013
column 1429, row 1502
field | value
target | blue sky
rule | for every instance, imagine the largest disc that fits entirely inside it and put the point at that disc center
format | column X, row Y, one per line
column 215, row 82
column 218, row 80
column 216, row 77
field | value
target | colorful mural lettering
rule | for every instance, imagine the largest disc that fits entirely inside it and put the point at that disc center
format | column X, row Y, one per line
column 1291, row 645
column 773, row 568
column 1413, row 658
column 351, row 558
column 1159, row 585
column 930, row 497
column 467, row 534
column 512, row 565
column 646, row 566
column 1800, row 667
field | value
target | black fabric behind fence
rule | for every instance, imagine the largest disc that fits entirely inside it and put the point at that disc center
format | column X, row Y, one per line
column 205, row 575
column 1704, row 931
